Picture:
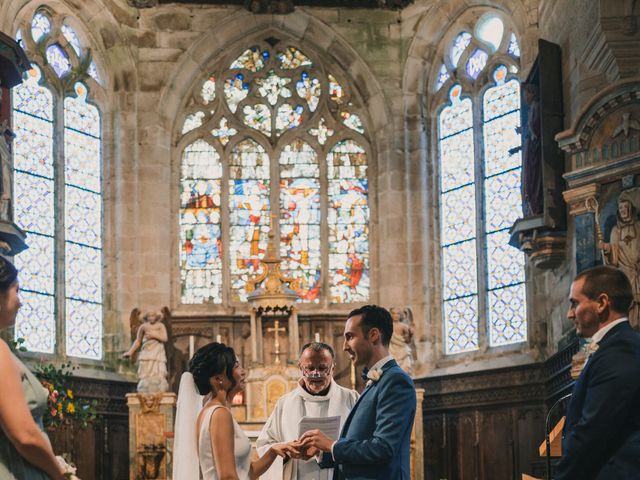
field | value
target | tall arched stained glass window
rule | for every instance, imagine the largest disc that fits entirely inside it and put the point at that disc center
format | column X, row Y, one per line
column 34, row 206
column 58, row 192
column 292, row 145
column 200, row 221
column 482, row 276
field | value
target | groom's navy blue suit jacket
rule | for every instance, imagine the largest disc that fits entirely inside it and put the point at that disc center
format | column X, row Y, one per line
column 602, row 430
column 374, row 443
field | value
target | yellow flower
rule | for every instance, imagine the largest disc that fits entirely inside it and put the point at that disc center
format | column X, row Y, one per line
column 51, row 388
column 60, row 407
column 69, row 393
column 71, row 408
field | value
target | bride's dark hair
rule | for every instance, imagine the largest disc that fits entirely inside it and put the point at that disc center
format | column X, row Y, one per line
column 8, row 274
column 212, row 359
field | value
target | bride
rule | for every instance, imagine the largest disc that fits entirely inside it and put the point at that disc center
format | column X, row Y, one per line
column 219, row 450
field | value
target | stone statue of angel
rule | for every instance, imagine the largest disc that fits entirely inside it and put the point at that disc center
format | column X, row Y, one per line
column 150, row 336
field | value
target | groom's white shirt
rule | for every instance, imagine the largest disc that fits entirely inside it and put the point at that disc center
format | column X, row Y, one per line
column 282, row 426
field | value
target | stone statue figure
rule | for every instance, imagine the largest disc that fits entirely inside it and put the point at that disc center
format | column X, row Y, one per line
column 150, row 337
column 400, row 345
column 623, row 249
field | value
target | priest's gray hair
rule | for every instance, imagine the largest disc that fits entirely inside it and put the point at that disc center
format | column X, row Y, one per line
column 318, row 347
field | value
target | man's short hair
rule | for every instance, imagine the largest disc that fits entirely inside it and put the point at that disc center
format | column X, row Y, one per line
column 611, row 281
column 374, row 316
column 318, row 347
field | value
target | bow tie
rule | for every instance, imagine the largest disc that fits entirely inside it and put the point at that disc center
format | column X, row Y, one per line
column 365, row 371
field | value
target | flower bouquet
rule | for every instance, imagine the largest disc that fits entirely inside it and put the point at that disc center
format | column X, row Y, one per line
column 62, row 406
column 69, row 469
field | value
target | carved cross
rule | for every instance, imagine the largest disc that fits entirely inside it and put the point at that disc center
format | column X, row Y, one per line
column 276, row 329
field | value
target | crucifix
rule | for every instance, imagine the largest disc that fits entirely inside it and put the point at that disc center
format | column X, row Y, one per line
column 276, row 329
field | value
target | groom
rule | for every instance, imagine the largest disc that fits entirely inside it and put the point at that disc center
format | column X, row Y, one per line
column 374, row 443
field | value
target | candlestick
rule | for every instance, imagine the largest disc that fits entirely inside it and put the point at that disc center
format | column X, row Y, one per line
column 192, row 345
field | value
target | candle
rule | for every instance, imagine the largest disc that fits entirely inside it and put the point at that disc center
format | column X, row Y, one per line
column 218, row 338
column 317, row 336
column 192, row 344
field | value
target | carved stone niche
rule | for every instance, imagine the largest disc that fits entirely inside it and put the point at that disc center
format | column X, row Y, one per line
column 603, row 146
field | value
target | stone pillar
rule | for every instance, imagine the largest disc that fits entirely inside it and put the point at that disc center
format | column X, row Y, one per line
column 151, row 420
column 417, row 439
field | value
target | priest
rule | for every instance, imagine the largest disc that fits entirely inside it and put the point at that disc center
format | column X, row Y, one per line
column 317, row 395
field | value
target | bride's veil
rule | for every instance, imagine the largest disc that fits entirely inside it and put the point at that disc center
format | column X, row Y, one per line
column 185, row 450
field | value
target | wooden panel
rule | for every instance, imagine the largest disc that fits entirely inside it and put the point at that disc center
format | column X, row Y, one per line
column 496, row 446
column 466, row 447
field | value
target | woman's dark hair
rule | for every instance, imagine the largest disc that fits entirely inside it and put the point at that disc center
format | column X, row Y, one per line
column 8, row 274
column 212, row 359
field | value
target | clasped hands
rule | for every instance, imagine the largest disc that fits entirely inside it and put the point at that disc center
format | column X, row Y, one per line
column 307, row 446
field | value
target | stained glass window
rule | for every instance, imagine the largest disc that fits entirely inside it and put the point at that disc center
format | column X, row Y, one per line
column 83, row 226
column 322, row 132
column 193, row 120
column 300, row 217
column 513, row 48
column 458, row 225
column 443, row 76
column 58, row 59
column 93, row 72
column 476, row 63
column 507, row 304
column 270, row 95
column 40, row 26
column 68, row 180
column 348, row 221
column 200, row 224
column 460, row 44
column 249, row 213
column 487, row 287
column 72, row 37
column 490, row 29
column 34, row 205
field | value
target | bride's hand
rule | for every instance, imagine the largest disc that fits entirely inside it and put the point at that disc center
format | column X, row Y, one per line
column 287, row 450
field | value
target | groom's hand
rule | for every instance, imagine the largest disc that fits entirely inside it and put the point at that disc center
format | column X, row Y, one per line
column 316, row 439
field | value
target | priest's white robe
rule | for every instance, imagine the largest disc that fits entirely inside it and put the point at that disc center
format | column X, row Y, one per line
column 282, row 426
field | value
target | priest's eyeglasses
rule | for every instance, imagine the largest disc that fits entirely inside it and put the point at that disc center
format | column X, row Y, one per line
column 316, row 372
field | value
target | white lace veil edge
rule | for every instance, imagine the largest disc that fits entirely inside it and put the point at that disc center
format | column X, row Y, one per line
column 185, row 449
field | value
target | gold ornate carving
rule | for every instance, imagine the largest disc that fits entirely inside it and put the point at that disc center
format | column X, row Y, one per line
column 271, row 289
column 276, row 388
column 149, row 402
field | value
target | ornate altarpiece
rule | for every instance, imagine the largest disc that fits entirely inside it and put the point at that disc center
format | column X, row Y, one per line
column 603, row 147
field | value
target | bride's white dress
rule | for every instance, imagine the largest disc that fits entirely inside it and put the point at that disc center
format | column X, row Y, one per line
column 242, row 448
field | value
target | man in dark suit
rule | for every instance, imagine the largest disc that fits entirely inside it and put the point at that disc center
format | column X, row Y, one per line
column 374, row 442
column 602, row 431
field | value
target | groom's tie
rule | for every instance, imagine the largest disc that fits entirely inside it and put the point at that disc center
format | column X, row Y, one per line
column 365, row 371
